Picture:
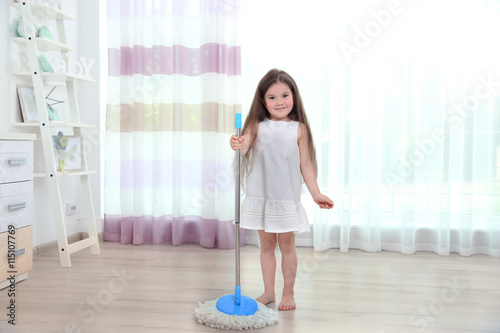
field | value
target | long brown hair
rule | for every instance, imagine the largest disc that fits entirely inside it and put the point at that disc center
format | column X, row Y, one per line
column 258, row 113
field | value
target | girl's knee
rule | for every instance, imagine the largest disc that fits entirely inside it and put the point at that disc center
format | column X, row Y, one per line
column 268, row 241
column 286, row 242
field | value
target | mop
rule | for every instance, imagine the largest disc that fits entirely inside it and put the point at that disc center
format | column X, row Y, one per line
column 235, row 311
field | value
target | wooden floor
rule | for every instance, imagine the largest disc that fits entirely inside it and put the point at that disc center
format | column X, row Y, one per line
column 155, row 288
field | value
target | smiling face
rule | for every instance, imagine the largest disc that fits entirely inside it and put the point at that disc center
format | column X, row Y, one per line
column 278, row 100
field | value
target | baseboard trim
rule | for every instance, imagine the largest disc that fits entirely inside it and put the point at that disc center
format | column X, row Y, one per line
column 44, row 248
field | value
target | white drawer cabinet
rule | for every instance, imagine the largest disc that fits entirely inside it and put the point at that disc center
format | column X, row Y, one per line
column 16, row 206
column 16, row 161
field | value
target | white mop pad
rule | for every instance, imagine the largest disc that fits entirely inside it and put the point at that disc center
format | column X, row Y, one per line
column 207, row 314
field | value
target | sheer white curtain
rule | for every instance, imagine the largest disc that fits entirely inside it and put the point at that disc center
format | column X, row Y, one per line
column 404, row 101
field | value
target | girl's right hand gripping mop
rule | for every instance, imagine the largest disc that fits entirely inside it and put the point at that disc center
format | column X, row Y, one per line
column 235, row 312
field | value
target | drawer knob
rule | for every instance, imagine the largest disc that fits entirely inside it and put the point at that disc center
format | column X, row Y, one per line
column 19, row 205
column 17, row 161
column 20, row 252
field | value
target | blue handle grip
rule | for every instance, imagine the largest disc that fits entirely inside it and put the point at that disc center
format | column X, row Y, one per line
column 237, row 122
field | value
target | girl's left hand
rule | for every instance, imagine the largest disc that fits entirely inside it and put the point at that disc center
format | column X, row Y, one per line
column 323, row 201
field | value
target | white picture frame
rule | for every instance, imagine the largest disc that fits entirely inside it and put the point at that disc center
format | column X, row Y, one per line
column 73, row 154
column 28, row 103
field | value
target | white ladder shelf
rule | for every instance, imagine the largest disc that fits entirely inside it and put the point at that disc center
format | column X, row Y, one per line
column 53, row 176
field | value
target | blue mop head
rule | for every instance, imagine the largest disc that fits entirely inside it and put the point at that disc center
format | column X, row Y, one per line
column 208, row 314
column 237, row 304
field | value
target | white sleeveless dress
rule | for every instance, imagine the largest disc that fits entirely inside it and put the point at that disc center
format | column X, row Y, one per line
column 272, row 201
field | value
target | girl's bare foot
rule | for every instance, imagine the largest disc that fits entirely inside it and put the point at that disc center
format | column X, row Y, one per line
column 266, row 298
column 287, row 303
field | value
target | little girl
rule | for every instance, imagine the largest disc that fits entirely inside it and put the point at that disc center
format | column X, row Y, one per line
column 277, row 148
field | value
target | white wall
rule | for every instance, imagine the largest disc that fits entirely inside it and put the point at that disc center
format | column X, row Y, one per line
column 83, row 35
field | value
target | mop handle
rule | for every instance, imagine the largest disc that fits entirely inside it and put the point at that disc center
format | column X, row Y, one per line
column 237, row 125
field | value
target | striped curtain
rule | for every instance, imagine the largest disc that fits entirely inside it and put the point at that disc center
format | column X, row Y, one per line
column 174, row 70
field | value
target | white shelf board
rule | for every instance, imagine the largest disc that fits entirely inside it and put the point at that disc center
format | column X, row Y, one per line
column 45, row 44
column 75, row 173
column 65, row 174
column 18, row 136
column 49, row 12
column 59, row 76
column 54, row 124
